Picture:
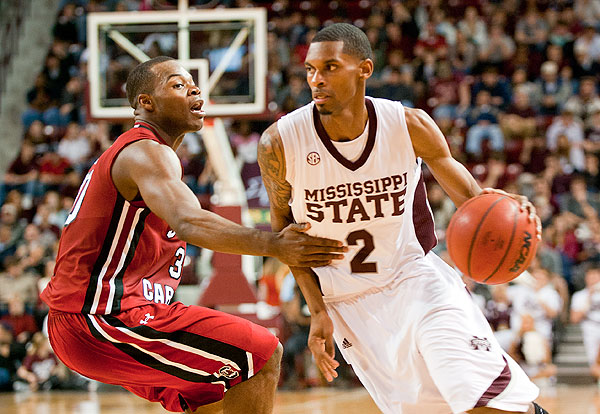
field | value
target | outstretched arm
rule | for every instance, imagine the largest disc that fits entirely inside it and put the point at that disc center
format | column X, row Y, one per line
column 271, row 159
column 155, row 171
column 430, row 144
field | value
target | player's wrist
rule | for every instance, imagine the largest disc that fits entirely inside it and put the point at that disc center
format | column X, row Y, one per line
column 271, row 243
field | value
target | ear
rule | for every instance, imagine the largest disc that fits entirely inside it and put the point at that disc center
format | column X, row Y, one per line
column 366, row 69
column 145, row 101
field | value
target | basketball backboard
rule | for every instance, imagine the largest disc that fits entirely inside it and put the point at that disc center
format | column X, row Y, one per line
column 224, row 49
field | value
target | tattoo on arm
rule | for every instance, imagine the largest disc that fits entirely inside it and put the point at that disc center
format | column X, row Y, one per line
column 271, row 159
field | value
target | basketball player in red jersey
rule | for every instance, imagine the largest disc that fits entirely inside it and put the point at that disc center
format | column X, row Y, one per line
column 351, row 166
column 120, row 259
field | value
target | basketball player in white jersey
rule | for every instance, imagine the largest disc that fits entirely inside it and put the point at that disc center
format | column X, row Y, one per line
column 351, row 166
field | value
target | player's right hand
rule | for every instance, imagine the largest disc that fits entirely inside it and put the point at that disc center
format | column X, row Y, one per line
column 320, row 343
column 295, row 248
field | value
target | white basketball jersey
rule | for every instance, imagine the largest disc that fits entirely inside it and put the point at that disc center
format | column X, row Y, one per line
column 376, row 204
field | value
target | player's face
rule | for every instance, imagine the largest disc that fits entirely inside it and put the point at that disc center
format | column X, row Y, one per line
column 177, row 102
column 335, row 78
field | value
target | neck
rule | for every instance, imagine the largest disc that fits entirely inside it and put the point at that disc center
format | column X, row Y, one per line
column 173, row 139
column 347, row 124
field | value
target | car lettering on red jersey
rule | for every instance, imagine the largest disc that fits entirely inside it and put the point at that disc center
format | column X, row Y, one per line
column 157, row 293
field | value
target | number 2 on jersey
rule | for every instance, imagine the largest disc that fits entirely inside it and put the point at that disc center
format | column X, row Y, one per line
column 358, row 264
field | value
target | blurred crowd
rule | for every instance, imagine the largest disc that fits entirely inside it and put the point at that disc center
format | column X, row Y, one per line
column 512, row 84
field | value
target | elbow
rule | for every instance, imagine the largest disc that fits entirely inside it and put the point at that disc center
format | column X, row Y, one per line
column 183, row 228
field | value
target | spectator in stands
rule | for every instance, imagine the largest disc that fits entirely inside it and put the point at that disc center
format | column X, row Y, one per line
column 22, row 323
column 65, row 27
column 8, row 246
column 473, row 27
column 588, row 11
column 75, row 147
column 544, row 201
column 32, row 250
column 537, row 298
column 443, row 92
column 11, row 355
column 399, row 86
column 441, row 206
column 591, row 174
column 41, row 104
column 59, row 207
column 585, row 64
column 579, row 200
column 482, row 120
column 551, row 92
column 519, row 122
column 9, row 216
column 589, row 41
column 49, row 232
column 497, row 48
column 57, row 174
column 533, row 353
column 296, row 314
column 498, row 313
column 586, row 101
column 463, row 54
column 532, row 30
column 568, row 126
column 41, row 369
column 494, row 173
column 22, row 173
column 71, row 102
column 14, row 281
column 431, row 42
column 294, row 95
column 585, row 309
column 496, row 85
column 57, row 76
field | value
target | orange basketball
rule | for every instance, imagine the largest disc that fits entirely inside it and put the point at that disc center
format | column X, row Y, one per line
column 490, row 239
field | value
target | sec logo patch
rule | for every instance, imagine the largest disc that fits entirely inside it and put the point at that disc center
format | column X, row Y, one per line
column 313, row 158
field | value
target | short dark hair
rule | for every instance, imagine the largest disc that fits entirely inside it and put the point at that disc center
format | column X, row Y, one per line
column 141, row 79
column 356, row 42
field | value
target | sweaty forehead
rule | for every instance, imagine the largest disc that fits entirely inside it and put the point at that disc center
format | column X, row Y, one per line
column 322, row 51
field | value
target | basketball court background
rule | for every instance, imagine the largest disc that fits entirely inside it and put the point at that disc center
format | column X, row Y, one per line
column 225, row 51
column 566, row 400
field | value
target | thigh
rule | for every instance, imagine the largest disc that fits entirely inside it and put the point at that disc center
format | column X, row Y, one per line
column 174, row 354
column 465, row 361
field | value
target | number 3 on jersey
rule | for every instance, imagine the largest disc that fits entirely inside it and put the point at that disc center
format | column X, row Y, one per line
column 358, row 264
column 175, row 268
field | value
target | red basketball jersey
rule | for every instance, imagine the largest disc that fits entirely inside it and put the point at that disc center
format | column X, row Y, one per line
column 114, row 254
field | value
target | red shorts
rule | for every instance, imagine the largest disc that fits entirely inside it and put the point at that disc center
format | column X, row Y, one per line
column 175, row 354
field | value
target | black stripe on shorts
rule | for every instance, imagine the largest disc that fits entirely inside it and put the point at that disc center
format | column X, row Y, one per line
column 151, row 362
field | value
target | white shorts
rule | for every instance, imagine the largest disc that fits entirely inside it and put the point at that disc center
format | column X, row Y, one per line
column 591, row 340
column 421, row 345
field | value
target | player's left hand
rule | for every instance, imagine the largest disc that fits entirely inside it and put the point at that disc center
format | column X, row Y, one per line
column 320, row 343
column 525, row 206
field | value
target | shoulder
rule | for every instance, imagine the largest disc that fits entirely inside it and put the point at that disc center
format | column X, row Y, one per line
column 146, row 150
column 270, row 138
column 418, row 122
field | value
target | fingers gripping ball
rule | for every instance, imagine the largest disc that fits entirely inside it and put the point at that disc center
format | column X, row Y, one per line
column 490, row 239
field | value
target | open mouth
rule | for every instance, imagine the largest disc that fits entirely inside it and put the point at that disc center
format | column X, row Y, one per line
column 196, row 108
column 320, row 98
